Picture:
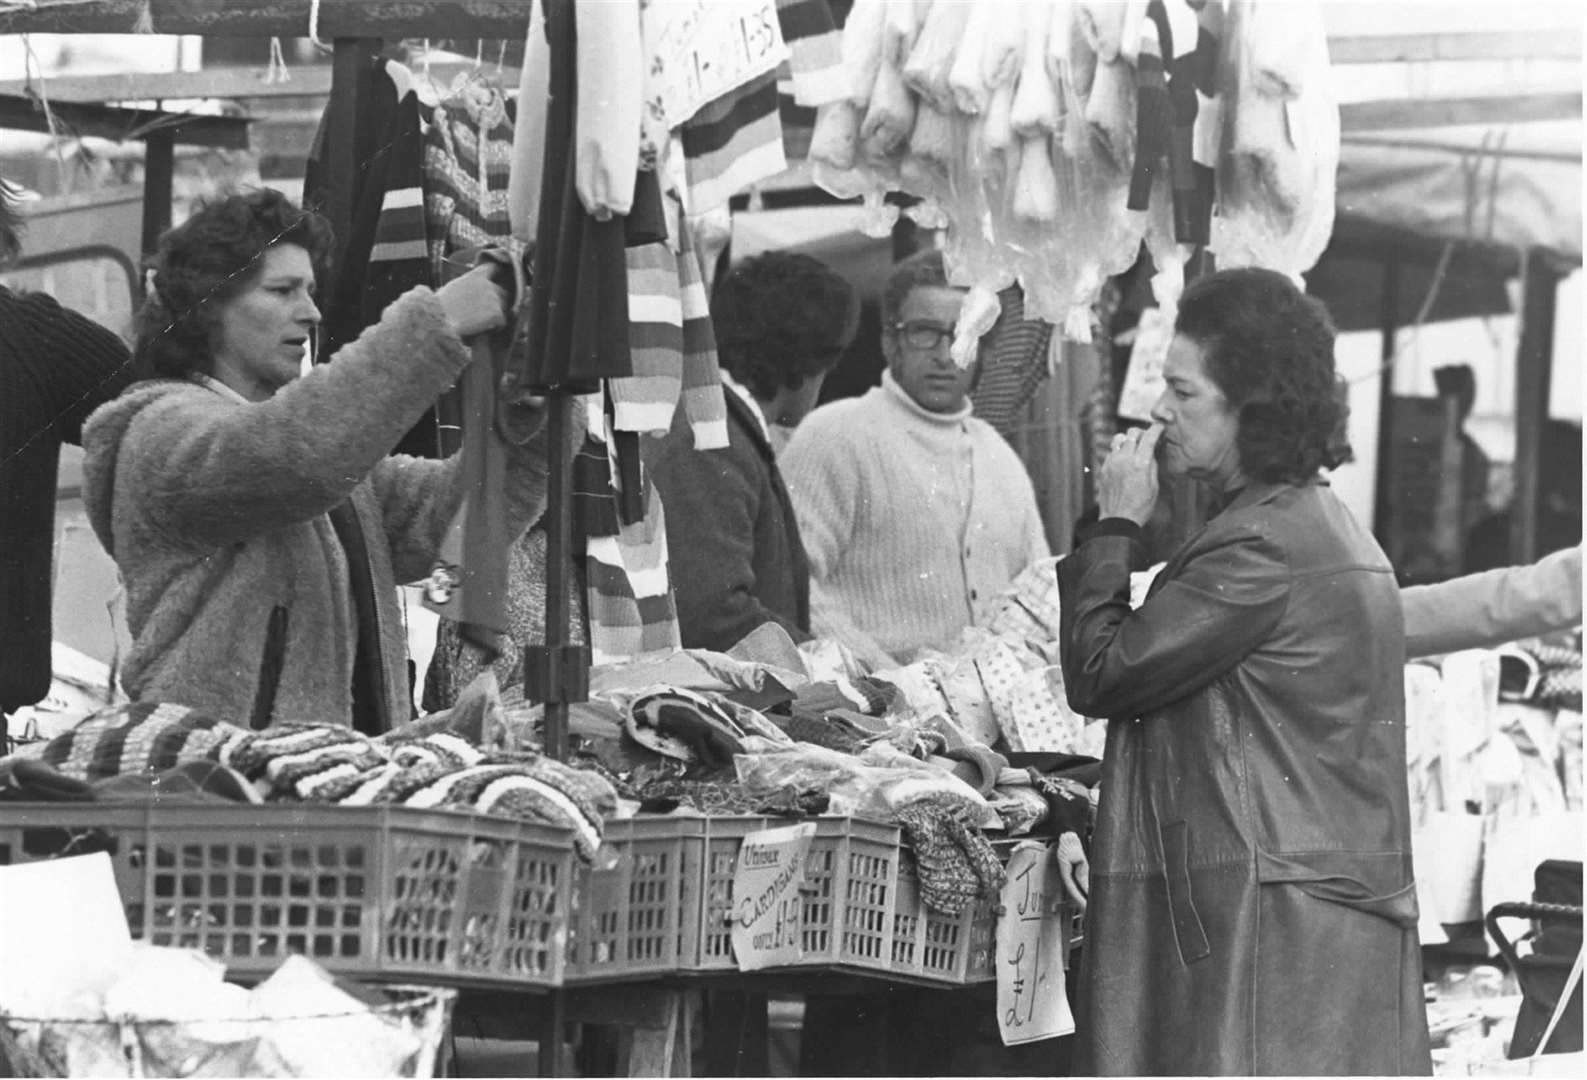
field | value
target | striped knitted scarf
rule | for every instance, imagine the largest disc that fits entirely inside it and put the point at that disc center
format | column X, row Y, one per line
column 329, row 764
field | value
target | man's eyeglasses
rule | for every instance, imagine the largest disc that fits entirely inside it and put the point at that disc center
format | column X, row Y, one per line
column 922, row 336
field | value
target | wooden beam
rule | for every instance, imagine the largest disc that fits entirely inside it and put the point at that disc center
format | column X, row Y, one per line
column 276, row 18
column 1479, row 45
column 120, row 125
column 304, row 80
column 1399, row 113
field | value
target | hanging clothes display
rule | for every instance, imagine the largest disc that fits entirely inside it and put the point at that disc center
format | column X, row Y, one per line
column 467, row 154
column 1051, row 142
column 576, row 329
column 1014, row 359
column 631, row 607
column 385, row 254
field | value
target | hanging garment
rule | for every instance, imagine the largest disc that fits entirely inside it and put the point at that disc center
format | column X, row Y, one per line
column 815, row 47
column 468, row 583
column 575, row 329
column 1207, row 129
column 631, row 609
column 467, row 156
column 732, row 142
column 385, row 254
column 1014, row 361
column 673, row 344
column 610, row 59
column 702, row 376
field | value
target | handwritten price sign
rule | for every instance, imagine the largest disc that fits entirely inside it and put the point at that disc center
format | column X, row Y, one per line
column 708, row 47
column 767, row 905
column 1031, row 1004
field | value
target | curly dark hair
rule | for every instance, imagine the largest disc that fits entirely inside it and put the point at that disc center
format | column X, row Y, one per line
column 204, row 262
column 781, row 318
column 1270, row 348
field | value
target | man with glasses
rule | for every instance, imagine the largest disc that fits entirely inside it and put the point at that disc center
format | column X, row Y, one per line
column 914, row 514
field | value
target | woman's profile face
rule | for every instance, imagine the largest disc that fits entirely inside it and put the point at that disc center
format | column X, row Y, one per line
column 1199, row 428
column 264, row 329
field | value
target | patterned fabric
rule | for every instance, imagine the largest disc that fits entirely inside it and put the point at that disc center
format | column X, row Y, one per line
column 1559, row 670
column 815, row 47
column 467, row 158
column 646, row 400
column 453, row 667
column 1014, row 361
column 702, row 376
column 631, row 608
column 956, row 862
column 326, row 763
column 733, row 142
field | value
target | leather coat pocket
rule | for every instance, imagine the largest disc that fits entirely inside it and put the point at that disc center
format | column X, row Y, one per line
column 1189, row 934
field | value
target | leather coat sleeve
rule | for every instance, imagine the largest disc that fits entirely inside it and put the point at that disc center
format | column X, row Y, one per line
column 1203, row 617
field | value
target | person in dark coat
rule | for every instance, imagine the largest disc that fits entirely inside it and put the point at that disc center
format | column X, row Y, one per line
column 782, row 320
column 56, row 367
column 1252, row 909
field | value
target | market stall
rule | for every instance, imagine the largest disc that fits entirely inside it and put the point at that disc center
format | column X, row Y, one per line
column 631, row 821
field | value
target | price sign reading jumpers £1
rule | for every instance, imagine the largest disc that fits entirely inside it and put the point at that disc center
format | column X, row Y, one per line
column 767, row 904
column 1031, row 1004
column 705, row 48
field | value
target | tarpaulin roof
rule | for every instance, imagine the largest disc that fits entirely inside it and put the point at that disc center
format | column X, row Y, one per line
column 1513, row 185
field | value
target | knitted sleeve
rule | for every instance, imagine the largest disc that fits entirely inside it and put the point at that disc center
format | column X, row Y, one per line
column 79, row 364
column 826, row 472
column 216, row 475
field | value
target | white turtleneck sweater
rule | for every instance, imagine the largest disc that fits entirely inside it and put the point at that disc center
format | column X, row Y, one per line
column 913, row 520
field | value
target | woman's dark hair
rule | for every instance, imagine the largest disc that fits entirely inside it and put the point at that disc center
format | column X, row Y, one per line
column 207, row 260
column 781, row 318
column 1270, row 348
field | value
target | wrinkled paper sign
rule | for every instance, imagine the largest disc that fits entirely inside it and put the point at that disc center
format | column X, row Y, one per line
column 705, row 48
column 767, row 903
column 1031, row 1003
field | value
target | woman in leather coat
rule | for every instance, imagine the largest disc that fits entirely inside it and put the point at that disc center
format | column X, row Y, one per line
column 1252, row 907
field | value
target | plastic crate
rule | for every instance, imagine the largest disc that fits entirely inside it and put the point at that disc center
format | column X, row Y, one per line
column 631, row 910
column 862, row 911
column 390, row 893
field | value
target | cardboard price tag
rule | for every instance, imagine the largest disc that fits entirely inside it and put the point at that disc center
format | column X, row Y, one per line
column 705, row 48
column 1031, row 1003
column 767, row 904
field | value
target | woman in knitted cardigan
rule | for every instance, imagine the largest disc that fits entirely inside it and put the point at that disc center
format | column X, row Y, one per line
column 56, row 367
column 257, row 521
